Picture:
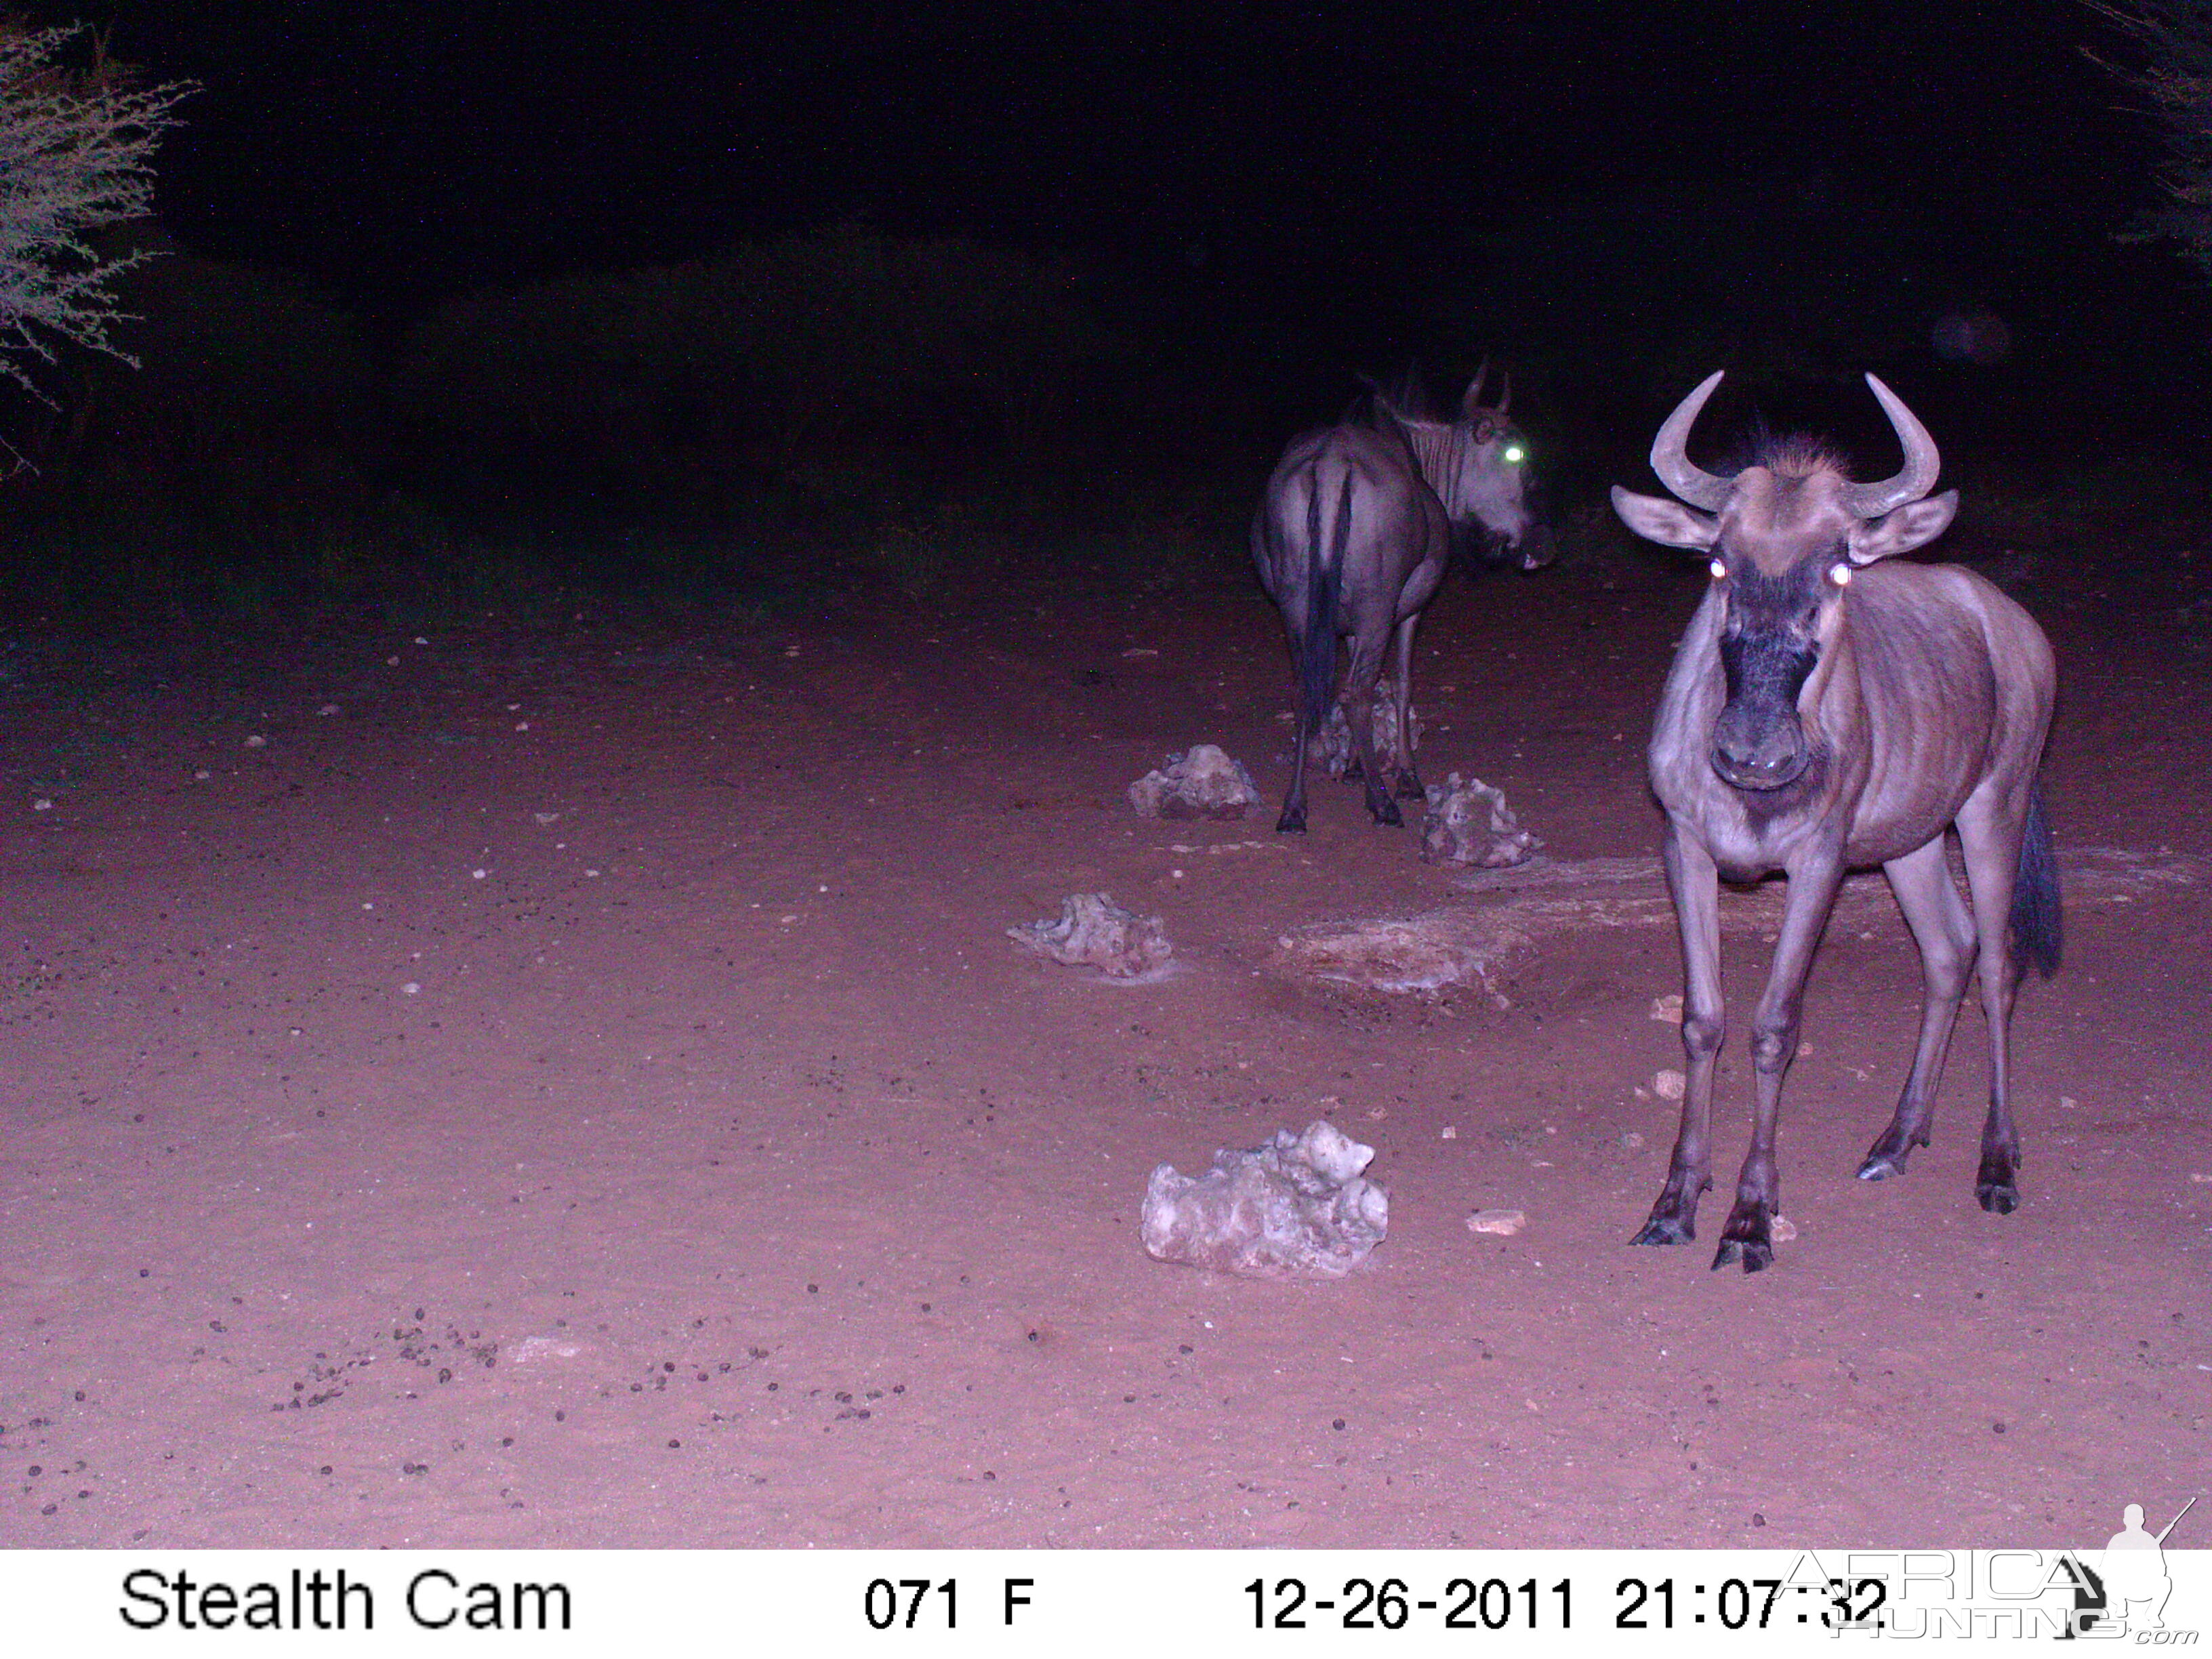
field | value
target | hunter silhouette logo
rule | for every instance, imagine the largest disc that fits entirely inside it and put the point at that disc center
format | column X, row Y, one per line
column 2135, row 1580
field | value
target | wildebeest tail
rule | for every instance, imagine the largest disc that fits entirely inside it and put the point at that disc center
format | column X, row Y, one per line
column 2037, row 931
column 1324, row 569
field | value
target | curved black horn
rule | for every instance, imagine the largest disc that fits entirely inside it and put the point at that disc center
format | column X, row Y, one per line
column 1505, row 390
column 1871, row 500
column 1473, row 401
column 1691, row 483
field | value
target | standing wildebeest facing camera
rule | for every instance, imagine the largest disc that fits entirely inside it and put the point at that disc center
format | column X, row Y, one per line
column 1352, row 538
column 1828, row 713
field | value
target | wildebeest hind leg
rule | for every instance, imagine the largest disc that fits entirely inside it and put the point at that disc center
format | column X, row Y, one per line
column 1293, row 819
column 1989, row 834
column 1408, row 786
column 1944, row 930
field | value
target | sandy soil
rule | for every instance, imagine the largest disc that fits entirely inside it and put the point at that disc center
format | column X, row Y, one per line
column 569, row 1086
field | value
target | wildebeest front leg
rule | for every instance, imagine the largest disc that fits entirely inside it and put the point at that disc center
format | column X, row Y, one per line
column 1945, row 933
column 1750, row 1230
column 1695, row 885
column 1408, row 776
column 1359, row 678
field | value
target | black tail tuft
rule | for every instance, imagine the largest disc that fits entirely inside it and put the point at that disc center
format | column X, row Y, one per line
column 2037, row 929
column 1317, row 652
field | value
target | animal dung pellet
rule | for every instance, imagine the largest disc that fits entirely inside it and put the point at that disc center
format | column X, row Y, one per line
column 1205, row 782
column 1297, row 1207
column 1470, row 824
column 1667, row 1010
column 1094, row 931
column 1668, row 1086
column 1331, row 745
column 1505, row 1222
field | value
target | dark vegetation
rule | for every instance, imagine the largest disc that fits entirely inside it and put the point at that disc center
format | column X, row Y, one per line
column 829, row 413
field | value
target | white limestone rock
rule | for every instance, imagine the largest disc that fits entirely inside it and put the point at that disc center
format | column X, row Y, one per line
column 1470, row 824
column 1204, row 782
column 1298, row 1207
column 1091, row 929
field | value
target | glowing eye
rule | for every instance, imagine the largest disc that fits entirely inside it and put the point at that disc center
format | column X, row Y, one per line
column 1719, row 570
column 1840, row 575
column 1515, row 454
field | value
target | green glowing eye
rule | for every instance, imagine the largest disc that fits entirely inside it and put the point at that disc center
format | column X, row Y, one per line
column 1515, row 453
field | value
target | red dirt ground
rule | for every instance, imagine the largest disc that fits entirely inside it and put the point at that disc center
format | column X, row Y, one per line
column 570, row 1087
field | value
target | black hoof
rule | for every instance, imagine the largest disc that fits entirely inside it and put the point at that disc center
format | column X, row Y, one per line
column 1354, row 772
column 1409, row 786
column 1291, row 823
column 1997, row 1187
column 1749, row 1236
column 1886, row 1157
column 1667, row 1229
column 1757, row 1258
column 1386, row 811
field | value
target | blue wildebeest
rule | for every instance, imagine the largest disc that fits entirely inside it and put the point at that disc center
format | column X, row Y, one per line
column 1827, row 711
column 1352, row 538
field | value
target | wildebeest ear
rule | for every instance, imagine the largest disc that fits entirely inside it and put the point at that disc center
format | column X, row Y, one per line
column 1669, row 523
column 1914, row 525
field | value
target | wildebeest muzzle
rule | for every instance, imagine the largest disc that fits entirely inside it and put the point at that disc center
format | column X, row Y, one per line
column 1757, row 741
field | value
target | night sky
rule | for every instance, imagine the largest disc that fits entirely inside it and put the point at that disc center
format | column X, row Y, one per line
column 404, row 148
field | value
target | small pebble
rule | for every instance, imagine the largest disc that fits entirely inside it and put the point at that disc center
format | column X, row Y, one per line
column 1505, row 1222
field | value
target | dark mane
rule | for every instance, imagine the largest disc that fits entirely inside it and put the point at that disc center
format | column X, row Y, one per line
column 1385, row 404
column 1788, row 454
column 1799, row 456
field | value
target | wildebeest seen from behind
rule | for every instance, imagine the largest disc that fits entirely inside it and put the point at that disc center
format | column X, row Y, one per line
column 1829, row 712
column 1352, row 538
